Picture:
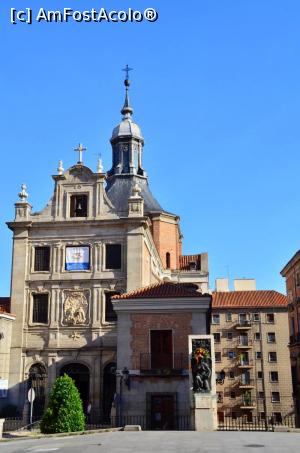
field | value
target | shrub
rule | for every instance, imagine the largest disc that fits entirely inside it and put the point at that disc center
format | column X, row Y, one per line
column 64, row 412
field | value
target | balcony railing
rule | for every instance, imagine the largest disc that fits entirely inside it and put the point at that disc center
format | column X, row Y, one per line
column 243, row 324
column 246, row 381
column 163, row 363
column 245, row 361
column 247, row 402
column 244, row 342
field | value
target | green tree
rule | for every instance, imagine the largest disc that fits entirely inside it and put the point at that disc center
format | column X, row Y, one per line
column 64, row 412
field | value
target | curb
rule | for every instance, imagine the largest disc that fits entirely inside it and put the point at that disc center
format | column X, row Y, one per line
column 31, row 436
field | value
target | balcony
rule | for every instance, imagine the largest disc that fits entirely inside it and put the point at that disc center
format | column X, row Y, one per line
column 245, row 362
column 247, row 402
column 243, row 324
column 243, row 342
column 163, row 364
column 246, row 382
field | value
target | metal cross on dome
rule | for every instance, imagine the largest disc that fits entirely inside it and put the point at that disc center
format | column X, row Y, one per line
column 127, row 69
column 80, row 150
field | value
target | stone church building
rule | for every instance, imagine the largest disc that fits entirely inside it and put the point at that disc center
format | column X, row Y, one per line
column 100, row 235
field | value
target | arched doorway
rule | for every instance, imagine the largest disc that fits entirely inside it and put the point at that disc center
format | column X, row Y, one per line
column 109, row 389
column 37, row 379
column 81, row 376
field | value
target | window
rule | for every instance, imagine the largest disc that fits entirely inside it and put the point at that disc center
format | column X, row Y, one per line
column 258, row 355
column 42, row 259
column 228, row 317
column 217, row 337
column 78, row 258
column 229, row 335
column 219, row 397
column 255, row 317
column 271, row 337
column 161, row 349
column 270, row 318
column 257, row 336
column 168, row 260
column 261, row 395
column 231, row 375
column 78, row 205
column 262, row 415
column 272, row 357
column 215, row 319
column 298, row 279
column 217, row 356
column 273, row 376
column 275, row 397
column 232, row 395
column 113, row 256
column 110, row 314
column 231, row 354
column 40, row 308
column 233, row 415
column 259, row 375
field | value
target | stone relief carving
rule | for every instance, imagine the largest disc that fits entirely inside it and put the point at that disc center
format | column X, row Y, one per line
column 75, row 308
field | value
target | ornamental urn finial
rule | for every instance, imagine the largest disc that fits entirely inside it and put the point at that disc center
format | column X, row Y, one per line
column 23, row 195
column 60, row 168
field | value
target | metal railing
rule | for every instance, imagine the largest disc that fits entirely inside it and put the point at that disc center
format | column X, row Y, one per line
column 254, row 423
column 243, row 341
column 173, row 422
column 245, row 380
column 163, row 363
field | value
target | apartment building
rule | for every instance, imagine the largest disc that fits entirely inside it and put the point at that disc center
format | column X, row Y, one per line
column 291, row 272
column 250, row 328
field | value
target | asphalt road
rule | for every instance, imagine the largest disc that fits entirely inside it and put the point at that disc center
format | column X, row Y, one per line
column 161, row 442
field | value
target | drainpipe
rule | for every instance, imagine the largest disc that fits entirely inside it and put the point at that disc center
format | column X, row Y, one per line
column 263, row 372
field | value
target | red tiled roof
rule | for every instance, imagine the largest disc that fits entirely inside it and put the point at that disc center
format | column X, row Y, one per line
column 185, row 260
column 162, row 290
column 248, row 299
column 5, row 304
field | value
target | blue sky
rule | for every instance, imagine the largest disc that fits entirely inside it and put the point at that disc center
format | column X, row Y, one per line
column 215, row 89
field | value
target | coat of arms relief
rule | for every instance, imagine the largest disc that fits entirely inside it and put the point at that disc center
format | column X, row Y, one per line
column 75, row 310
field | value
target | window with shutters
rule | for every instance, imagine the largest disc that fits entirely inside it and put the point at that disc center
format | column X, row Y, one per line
column 40, row 308
column 113, row 256
column 42, row 259
column 110, row 314
column 78, row 205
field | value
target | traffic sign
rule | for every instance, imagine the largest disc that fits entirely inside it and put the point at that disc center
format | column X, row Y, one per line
column 31, row 395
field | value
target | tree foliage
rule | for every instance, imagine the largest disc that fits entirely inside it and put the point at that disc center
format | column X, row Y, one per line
column 64, row 412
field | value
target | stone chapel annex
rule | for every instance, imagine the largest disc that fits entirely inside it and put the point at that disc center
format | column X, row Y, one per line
column 101, row 234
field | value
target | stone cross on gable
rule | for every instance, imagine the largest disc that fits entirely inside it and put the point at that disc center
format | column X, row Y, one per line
column 80, row 150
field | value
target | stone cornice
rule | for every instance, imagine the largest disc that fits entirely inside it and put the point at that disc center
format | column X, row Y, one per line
column 178, row 304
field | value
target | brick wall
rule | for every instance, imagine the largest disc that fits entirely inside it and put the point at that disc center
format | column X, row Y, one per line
column 166, row 238
column 179, row 323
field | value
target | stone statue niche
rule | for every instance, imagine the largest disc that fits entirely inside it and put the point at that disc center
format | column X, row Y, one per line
column 201, row 365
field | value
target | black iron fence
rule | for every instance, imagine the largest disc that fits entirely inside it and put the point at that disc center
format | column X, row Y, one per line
column 177, row 422
column 18, row 423
column 255, row 423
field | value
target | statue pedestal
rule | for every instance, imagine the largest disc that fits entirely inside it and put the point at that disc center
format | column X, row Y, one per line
column 204, row 412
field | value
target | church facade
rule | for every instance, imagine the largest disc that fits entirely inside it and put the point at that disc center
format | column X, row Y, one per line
column 100, row 235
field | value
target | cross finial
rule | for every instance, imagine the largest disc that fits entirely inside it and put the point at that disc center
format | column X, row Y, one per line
column 127, row 69
column 80, row 150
